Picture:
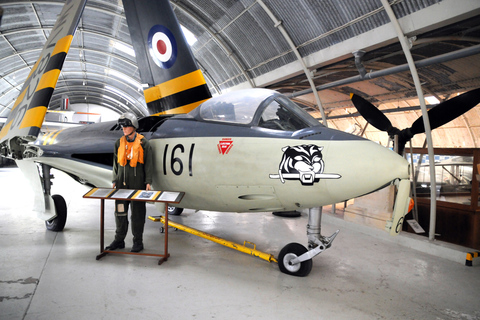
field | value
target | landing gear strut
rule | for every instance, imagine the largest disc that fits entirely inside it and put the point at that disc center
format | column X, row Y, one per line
column 294, row 259
column 57, row 223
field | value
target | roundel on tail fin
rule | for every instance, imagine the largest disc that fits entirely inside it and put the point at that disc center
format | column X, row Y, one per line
column 162, row 46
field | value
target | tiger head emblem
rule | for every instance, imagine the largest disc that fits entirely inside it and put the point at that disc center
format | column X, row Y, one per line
column 303, row 162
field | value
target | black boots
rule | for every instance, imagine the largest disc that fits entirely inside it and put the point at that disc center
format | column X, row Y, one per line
column 137, row 247
column 116, row 245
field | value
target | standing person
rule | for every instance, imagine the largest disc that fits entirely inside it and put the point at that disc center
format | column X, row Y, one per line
column 132, row 169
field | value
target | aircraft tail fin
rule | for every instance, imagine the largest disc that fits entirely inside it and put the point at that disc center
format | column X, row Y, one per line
column 28, row 112
column 165, row 61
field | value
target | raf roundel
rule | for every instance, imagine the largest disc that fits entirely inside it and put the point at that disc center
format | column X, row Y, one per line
column 162, row 46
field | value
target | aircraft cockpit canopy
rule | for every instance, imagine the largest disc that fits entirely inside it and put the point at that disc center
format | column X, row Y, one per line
column 256, row 107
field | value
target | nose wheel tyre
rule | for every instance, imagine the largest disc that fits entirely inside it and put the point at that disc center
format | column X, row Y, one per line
column 290, row 252
column 174, row 211
column 58, row 223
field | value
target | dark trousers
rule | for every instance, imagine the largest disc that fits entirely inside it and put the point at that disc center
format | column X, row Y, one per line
column 137, row 219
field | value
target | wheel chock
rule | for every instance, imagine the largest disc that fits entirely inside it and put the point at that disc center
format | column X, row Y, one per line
column 470, row 257
column 243, row 248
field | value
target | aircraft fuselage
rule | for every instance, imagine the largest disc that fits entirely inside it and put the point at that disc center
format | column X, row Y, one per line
column 225, row 166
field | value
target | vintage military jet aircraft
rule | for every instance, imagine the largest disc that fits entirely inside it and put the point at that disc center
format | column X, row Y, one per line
column 246, row 151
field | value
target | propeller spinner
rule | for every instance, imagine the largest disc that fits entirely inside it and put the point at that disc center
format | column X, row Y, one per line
column 438, row 116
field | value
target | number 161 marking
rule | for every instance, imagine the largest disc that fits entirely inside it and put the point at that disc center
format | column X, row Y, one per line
column 176, row 162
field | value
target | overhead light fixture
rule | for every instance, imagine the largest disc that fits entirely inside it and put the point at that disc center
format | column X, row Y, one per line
column 122, row 47
column 432, row 100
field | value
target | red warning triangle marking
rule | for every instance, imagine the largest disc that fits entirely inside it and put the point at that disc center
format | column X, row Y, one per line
column 225, row 145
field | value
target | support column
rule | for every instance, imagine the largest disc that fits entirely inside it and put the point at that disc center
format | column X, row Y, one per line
column 426, row 122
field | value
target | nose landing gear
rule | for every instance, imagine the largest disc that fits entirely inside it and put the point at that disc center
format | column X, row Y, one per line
column 288, row 255
column 57, row 223
column 294, row 259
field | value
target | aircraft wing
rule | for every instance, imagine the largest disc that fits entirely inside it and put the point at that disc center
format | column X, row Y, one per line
column 27, row 115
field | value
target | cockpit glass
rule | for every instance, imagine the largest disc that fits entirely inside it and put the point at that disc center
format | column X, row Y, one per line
column 234, row 108
column 283, row 114
column 241, row 107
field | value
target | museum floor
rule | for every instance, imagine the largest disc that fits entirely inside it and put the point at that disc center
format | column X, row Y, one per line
column 366, row 274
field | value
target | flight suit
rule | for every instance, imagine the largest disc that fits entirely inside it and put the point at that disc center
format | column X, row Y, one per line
column 128, row 177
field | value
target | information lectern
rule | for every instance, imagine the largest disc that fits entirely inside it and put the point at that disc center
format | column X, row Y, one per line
column 133, row 195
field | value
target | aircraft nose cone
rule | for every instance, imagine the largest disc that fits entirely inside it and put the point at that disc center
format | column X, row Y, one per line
column 364, row 167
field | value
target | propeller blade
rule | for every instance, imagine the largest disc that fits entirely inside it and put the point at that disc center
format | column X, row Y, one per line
column 371, row 113
column 448, row 111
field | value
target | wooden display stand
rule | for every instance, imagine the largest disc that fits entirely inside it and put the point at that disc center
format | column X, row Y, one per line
column 133, row 195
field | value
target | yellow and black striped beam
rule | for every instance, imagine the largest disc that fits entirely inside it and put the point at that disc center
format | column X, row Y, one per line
column 35, row 111
column 28, row 112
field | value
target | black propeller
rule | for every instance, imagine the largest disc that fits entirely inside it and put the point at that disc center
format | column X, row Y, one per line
column 438, row 116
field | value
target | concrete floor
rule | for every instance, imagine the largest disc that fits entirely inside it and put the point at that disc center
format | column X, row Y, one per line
column 365, row 275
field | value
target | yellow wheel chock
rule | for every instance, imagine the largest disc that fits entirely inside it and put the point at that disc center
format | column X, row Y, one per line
column 470, row 257
column 243, row 248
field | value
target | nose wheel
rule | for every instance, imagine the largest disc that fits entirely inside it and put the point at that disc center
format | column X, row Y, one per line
column 174, row 211
column 58, row 223
column 294, row 259
column 287, row 257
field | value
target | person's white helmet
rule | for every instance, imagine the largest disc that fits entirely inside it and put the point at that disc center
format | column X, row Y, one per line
column 128, row 119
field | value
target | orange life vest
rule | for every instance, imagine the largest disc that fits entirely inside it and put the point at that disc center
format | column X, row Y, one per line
column 130, row 151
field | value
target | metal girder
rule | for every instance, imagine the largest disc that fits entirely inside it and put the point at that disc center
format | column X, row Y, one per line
column 426, row 122
column 220, row 42
column 278, row 24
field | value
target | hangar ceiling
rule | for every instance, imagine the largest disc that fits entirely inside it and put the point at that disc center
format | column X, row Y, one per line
column 253, row 43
